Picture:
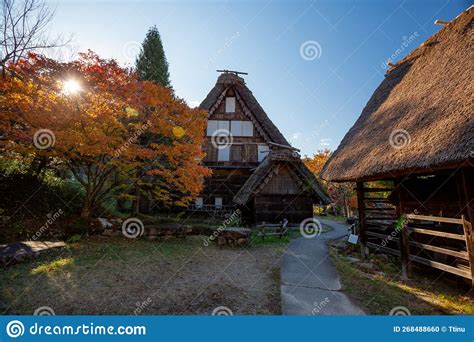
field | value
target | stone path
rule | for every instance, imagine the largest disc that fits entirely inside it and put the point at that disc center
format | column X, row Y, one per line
column 310, row 285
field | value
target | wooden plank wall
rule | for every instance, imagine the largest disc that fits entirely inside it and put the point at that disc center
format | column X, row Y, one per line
column 274, row 208
column 445, row 243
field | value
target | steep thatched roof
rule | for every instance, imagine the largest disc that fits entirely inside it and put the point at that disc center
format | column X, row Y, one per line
column 420, row 118
column 270, row 164
column 246, row 99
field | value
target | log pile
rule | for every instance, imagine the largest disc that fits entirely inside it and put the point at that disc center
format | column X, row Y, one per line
column 234, row 237
column 167, row 231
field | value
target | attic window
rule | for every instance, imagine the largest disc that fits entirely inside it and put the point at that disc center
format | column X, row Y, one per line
column 214, row 125
column 241, row 128
column 218, row 202
column 230, row 104
column 263, row 151
column 247, row 129
column 223, row 154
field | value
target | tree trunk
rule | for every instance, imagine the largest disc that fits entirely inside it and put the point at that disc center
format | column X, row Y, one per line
column 136, row 202
column 87, row 208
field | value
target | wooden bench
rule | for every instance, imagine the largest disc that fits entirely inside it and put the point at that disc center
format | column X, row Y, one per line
column 267, row 229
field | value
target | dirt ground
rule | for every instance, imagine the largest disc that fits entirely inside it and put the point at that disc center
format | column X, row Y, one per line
column 122, row 276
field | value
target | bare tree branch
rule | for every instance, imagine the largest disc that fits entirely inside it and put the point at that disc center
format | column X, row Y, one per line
column 23, row 28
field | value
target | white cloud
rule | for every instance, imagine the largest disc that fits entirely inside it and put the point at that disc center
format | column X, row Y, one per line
column 325, row 142
column 194, row 103
column 296, row 136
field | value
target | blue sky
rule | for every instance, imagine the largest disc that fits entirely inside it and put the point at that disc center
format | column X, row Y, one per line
column 312, row 65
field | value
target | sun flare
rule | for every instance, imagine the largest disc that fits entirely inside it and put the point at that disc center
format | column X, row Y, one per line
column 71, row 87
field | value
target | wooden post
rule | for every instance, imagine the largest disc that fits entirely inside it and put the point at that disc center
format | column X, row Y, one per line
column 466, row 196
column 403, row 241
column 467, row 227
column 362, row 223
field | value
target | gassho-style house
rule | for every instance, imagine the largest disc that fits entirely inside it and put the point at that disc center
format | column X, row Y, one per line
column 254, row 168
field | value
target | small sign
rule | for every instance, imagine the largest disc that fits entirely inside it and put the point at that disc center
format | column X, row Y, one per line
column 353, row 238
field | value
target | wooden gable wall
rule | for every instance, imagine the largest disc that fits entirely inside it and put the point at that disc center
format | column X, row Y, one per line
column 283, row 182
column 244, row 150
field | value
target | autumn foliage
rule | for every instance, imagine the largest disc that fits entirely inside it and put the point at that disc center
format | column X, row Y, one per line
column 111, row 132
column 340, row 193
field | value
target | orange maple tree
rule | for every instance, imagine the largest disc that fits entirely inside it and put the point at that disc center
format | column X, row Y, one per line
column 340, row 193
column 109, row 130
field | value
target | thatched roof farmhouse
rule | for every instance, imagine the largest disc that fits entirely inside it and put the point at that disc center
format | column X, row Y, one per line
column 416, row 134
column 254, row 168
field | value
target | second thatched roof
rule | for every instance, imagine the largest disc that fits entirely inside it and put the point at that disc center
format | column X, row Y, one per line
column 420, row 118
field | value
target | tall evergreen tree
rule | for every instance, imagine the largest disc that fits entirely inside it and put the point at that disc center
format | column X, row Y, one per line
column 151, row 63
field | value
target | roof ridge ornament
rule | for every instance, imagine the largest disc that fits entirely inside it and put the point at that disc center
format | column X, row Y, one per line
column 441, row 22
column 236, row 73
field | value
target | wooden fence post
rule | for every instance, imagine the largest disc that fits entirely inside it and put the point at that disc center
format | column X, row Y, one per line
column 465, row 196
column 467, row 227
column 362, row 223
column 403, row 240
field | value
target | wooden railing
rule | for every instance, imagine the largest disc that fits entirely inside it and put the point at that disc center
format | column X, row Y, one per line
column 461, row 261
column 443, row 243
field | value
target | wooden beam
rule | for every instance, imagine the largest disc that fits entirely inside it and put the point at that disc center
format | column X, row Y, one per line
column 434, row 219
column 403, row 241
column 380, row 209
column 383, row 218
column 362, row 223
column 457, row 254
column 377, row 190
column 467, row 227
column 385, row 249
column 440, row 266
column 466, row 200
column 382, row 236
column 436, row 233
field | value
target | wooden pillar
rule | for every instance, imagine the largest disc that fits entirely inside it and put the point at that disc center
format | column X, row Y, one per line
column 403, row 239
column 465, row 184
column 362, row 222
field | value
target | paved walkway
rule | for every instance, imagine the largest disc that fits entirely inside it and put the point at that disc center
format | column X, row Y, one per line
column 310, row 284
